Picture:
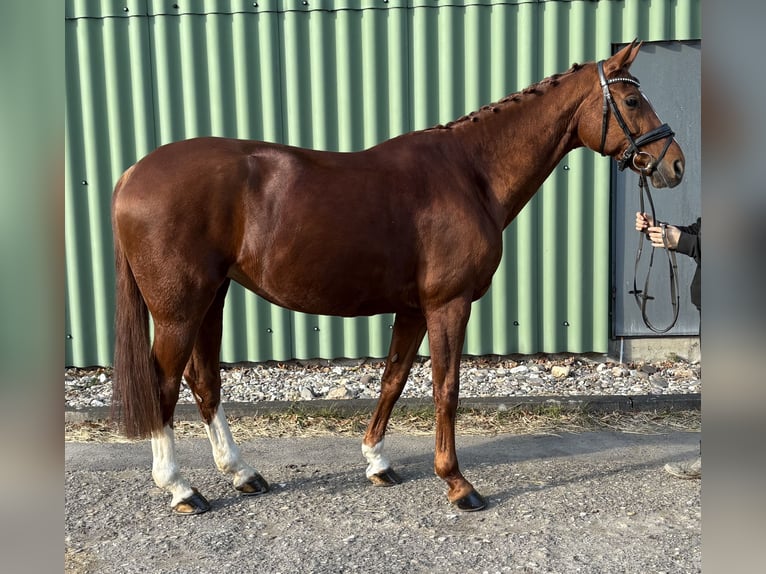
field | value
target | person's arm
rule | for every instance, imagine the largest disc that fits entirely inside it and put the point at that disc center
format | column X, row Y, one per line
column 685, row 240
column 689, row 242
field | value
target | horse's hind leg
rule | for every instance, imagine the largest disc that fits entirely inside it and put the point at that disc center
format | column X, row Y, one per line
column 204, row 378
column 171, row 349
column 178, row 318
column 409, row 331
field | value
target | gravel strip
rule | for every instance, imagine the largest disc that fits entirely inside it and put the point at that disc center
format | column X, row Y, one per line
column 508, row 376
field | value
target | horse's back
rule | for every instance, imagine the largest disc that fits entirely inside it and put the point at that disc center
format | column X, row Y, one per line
column 183, row 162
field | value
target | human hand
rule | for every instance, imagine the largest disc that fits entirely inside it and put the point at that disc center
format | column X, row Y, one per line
column 643, row 221
column 664, row 236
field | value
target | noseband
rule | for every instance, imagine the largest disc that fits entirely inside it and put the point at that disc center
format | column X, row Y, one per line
column 634, row 146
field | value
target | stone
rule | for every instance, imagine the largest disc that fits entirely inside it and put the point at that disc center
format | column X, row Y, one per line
column 341, row 392
column 560, row 371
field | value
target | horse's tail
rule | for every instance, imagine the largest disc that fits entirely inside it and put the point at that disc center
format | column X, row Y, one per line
column 135, row 386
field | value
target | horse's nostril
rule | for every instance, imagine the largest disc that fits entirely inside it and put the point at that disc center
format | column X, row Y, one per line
column 678, row 166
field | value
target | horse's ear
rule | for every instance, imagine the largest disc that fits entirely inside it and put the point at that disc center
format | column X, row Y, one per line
column 624, row 58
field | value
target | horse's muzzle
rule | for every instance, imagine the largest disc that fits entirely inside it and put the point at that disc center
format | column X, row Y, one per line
column 669, row 173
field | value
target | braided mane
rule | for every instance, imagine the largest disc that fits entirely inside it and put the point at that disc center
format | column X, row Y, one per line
column 533, row 90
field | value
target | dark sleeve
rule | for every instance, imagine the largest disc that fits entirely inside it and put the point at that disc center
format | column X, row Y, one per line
column 690, row 241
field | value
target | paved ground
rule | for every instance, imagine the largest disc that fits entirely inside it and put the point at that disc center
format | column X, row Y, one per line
column 588, row 502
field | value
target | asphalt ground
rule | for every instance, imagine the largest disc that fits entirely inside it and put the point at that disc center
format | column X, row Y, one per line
column 591, row 501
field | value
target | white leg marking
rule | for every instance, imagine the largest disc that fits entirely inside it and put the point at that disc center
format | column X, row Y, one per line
column 377, row 461
column 227, row 456
column 165, row 470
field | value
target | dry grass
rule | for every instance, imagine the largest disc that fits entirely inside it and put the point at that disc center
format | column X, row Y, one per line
column 79, row 562
column 548, row 420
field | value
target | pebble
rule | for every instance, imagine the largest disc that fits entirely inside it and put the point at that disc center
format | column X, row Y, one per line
column 341, row 379
column 560, row 371
column 342, row 392
column 307, row 394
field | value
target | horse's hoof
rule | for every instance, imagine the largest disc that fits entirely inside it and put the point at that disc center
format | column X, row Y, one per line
column 195, row 504
column 256, row 484
column 471, row 502
column 386, row 478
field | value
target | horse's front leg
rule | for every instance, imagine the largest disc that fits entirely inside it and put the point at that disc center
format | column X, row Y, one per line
column 446, row 333
column 409, row 331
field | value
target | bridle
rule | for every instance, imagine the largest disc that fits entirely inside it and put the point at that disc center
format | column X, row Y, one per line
column 634, row 146
column 630, row 154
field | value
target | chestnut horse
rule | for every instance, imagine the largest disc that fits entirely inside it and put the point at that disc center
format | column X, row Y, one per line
column 412, row 226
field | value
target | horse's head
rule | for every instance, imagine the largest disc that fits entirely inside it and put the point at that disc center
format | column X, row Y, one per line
column 622, row 123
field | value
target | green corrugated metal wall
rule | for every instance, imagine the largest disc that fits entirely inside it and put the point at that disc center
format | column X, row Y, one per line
column 342, row 76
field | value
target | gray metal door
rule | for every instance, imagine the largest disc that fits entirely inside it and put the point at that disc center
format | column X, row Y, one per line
column 670, row 76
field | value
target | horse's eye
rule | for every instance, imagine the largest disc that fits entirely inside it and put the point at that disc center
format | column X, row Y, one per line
column 631, row 102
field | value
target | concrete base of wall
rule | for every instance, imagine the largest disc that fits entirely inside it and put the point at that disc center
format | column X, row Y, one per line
column 655, row 348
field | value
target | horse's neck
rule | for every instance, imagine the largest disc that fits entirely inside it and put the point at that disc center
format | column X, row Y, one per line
column 517, row 142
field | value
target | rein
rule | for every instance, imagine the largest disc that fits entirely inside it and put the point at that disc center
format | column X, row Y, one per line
column 642, row 296
column 631, row 152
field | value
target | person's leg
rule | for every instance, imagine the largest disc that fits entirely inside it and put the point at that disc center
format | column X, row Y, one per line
column 689, row 469
column 685, row 469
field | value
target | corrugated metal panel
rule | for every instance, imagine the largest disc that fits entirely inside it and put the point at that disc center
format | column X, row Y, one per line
column 346, row 88
column 109, row 125
column 342, row 76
